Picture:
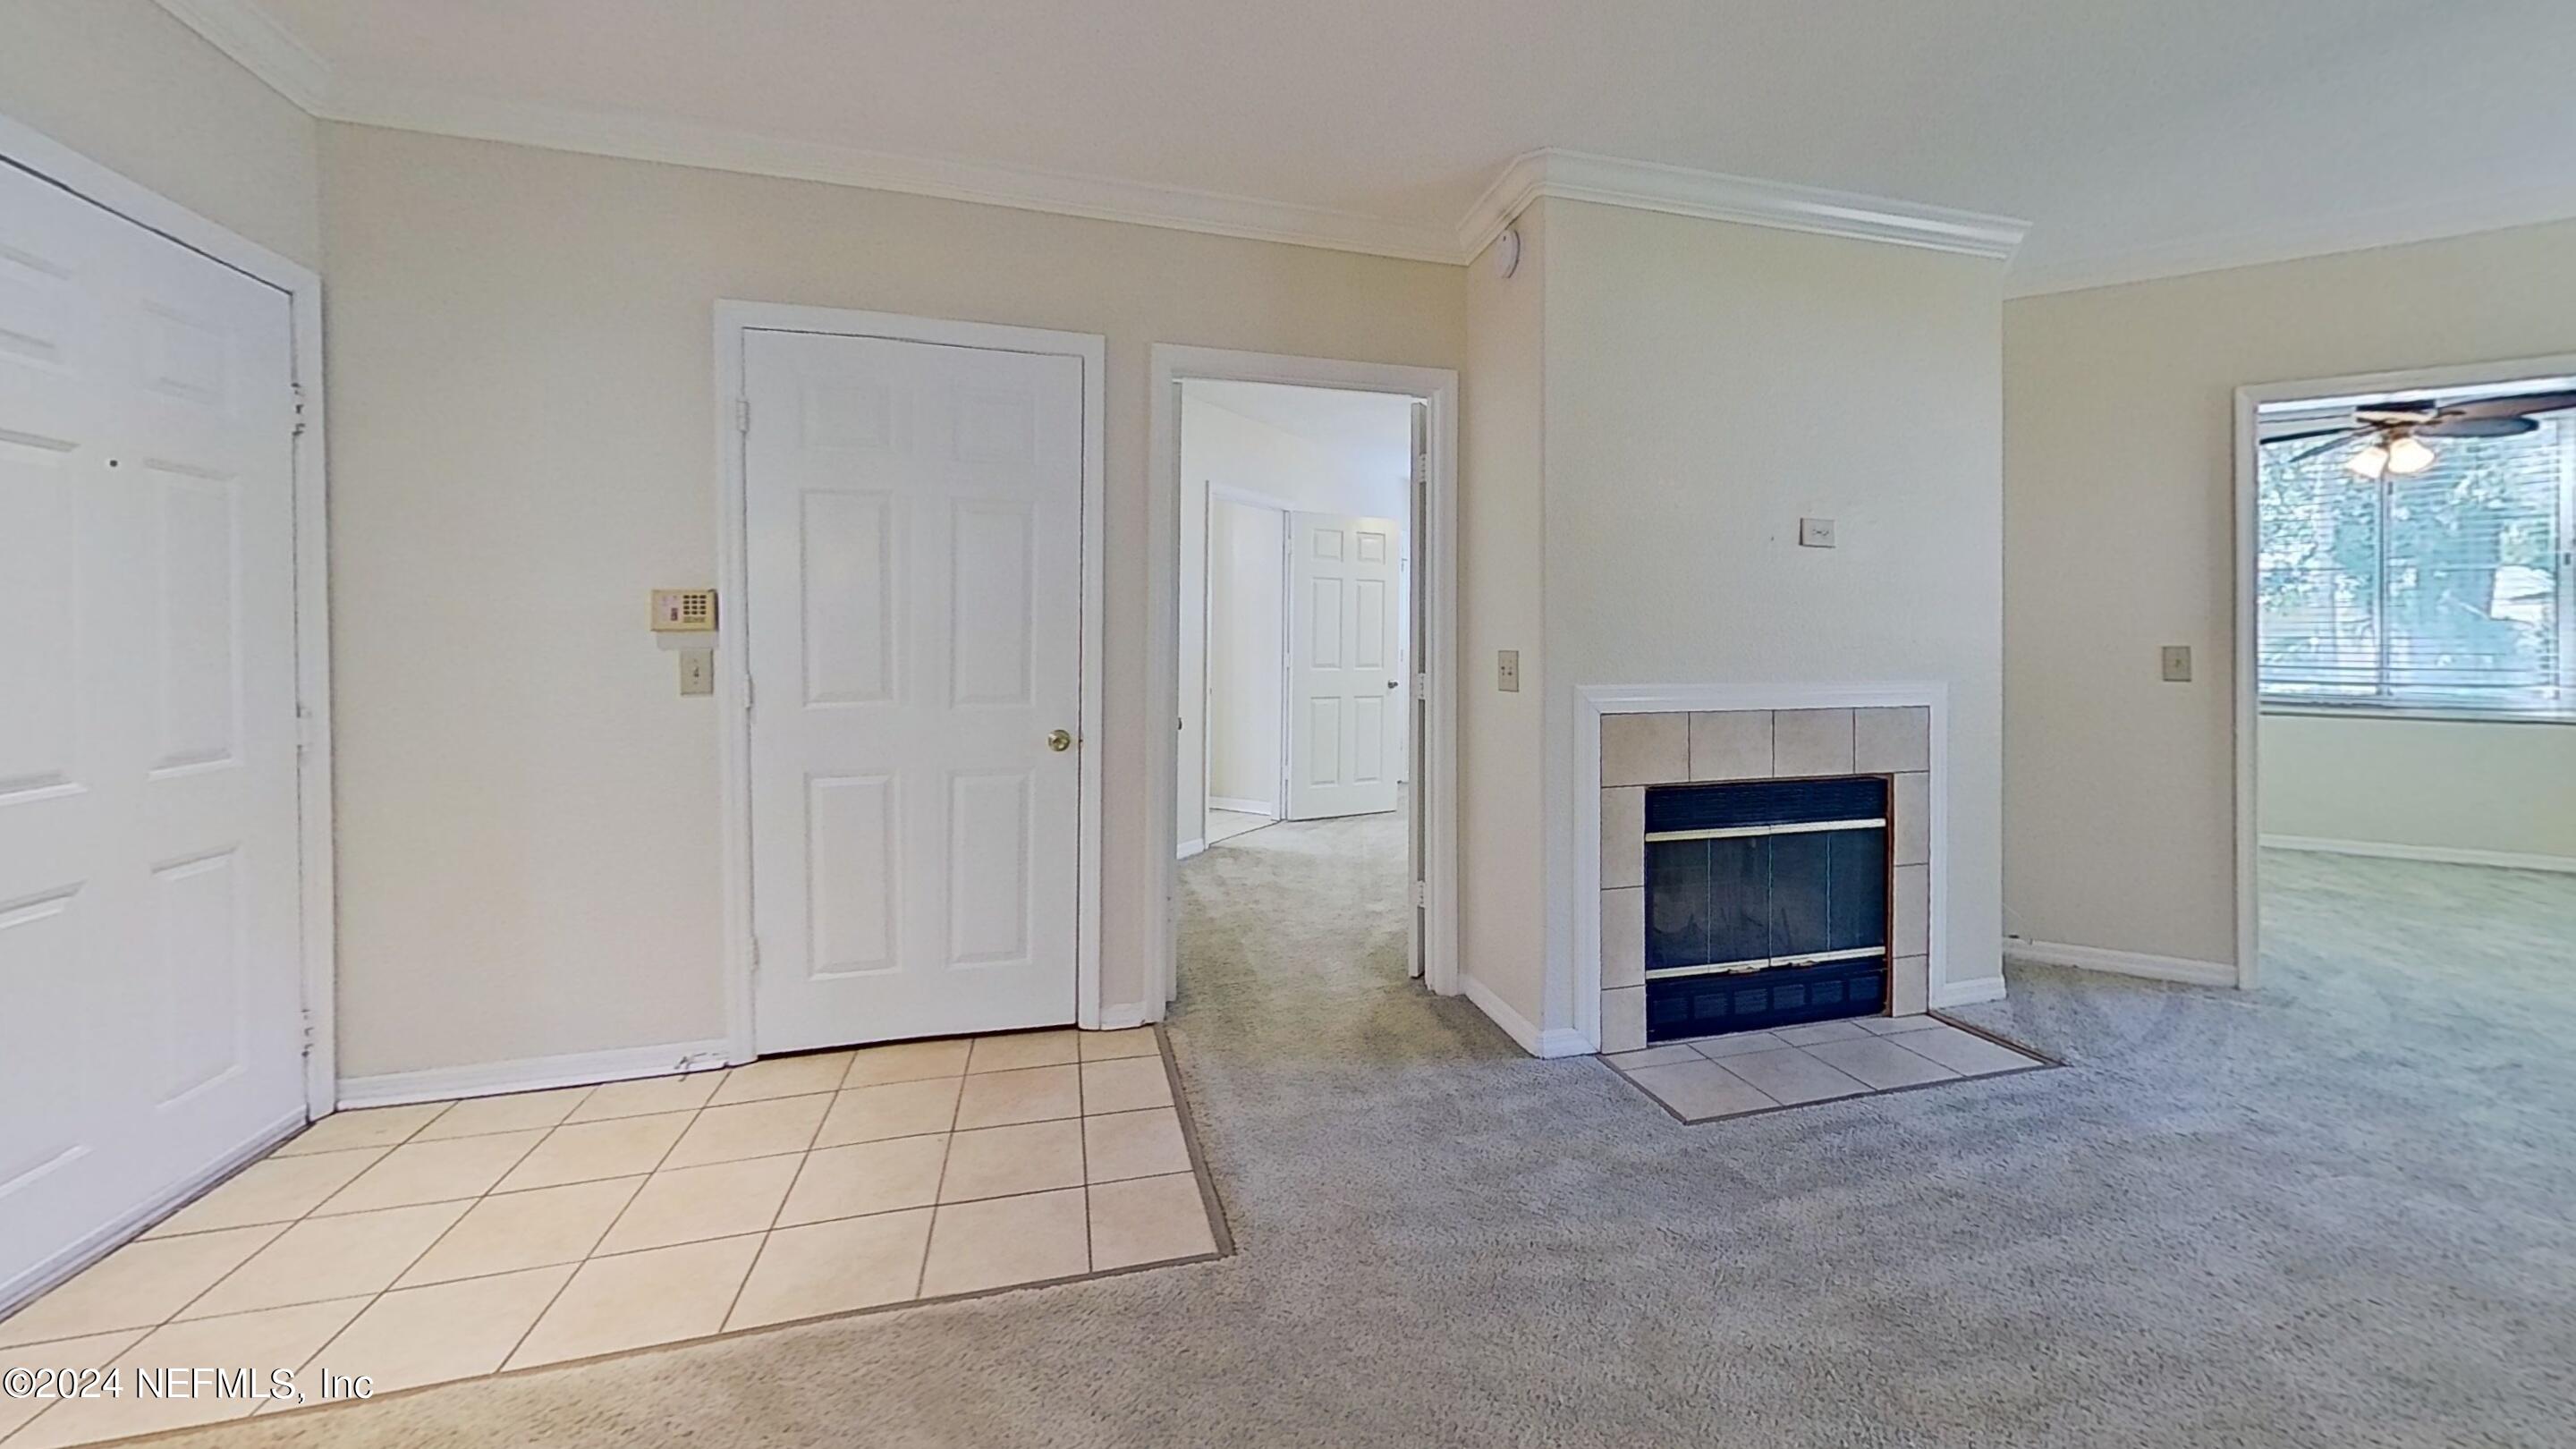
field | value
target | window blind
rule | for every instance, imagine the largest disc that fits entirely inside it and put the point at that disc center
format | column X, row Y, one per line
column 2441, row 589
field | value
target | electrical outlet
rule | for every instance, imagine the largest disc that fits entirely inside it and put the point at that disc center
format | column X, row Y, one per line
column 1507, row 670
column 2177, row 663
column 1815, row 533
column 697, row 671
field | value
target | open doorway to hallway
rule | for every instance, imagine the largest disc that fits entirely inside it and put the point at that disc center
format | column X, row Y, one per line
column 1296, row 641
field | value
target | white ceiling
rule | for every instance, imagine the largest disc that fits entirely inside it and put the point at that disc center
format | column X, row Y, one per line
column 1370, row 432
column 2138, row 136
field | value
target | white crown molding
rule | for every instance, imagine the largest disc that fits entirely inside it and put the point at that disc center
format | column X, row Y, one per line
column 682, row 143
column 1714, row 196
column 2402, row 224
column 250, row 35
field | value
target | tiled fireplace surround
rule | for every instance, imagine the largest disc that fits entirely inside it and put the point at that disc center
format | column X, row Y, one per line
column 1670, row 747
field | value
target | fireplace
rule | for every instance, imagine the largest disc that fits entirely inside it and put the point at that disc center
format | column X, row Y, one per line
column 1765, row 904
column 1763, row 867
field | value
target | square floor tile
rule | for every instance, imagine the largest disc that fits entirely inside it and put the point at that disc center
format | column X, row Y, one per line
column 1896, row 1025
column 588, row 1151
column 1135, row 1041
column 64, row 1353
column 517, row 1112
column 443, row 1171
column 909, row 1061
column 749, row 1129
column 1658, row 1056
column 1879, row 1061
column 691, row 1204
column 999, row 1161
column 1964, row 1052
column 1006, row 1240
column 997, row 1099
column 795, row 1076
column 890, row 1109
column 647, row 1096
column 1789, row 1076
column 275, row 1338
column 137, row 1286
column 834, row 1267
column 1815, row 1032
column 272, row 1190
column 637, row 1299
column 1134, row 1144
column 1148, row 1220
column 1700, row 1089
column 515, row 1230
column 1125, row 1084
column 416, row 1336
column 865, row 1177
column 1719, row 1048
column 370, row 1127
column 1024, row 1049
column 323, row 1258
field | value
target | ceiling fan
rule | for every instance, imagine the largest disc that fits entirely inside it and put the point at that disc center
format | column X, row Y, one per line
column 2397, row 430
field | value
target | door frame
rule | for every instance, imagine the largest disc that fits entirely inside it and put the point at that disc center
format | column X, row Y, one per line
column 733, row 321
column 2247, row 638
column 40, row 155
column 1435, row 559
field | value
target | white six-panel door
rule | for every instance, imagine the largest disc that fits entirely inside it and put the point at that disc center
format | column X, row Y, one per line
column 1344, row 692
column 913, row 540
column 150, row 980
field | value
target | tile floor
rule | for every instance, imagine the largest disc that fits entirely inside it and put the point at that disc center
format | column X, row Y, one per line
column 448, row 1240
column 1761, row 1071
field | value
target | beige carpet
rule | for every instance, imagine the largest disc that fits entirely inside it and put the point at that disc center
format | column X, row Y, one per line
column 2335, row 1213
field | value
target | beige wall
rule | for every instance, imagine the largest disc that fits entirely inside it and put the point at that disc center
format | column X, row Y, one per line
column 2118, row 537
column 1708, row 385
column 126, row 85
column 2483, row 787
column 1501, row 525
column 523, row 443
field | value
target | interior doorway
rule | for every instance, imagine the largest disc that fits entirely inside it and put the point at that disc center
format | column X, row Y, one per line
column 2407, row 663
column 1309, row 629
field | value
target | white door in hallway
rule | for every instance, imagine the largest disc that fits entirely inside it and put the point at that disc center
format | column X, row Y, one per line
column 914, row 549
column 150, row 965
column 1344, row 692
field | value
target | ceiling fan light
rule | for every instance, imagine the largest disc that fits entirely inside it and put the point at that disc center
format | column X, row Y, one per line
column 2370, row 462
column 2409, row 455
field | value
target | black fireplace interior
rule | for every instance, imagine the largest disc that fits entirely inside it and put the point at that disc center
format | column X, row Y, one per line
column 1766, row 904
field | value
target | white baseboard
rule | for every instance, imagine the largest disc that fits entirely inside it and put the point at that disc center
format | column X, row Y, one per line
column 1243, row 807
column 531, row 1074
column 2437, row 854
column 1969, row 993
column 1192, row 847
column 1559, row 1043
column 22, row 1288
column 2121, row 963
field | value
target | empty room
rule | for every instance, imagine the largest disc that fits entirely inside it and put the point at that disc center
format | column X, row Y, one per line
column 806, row 722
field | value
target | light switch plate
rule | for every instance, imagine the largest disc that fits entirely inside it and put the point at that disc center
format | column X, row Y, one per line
column 697, row 671
column 2177, row 663
column 1507, row 670
column 1815, row 533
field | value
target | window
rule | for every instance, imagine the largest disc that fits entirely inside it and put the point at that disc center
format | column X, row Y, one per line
column 2445, row 590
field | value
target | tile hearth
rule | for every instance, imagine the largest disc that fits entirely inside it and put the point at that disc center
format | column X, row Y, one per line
column 1762, row 1071
column 422, row 1244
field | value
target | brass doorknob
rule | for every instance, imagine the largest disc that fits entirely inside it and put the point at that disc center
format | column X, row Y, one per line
column 1059, row 741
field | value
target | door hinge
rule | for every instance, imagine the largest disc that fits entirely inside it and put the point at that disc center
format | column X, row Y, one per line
column 742, row 414
column 755, row 955
column 303, row 730
column 1421, row 893
column 1422, row 684
column 309, row 1031
column 298, row 390
column 747, row 692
